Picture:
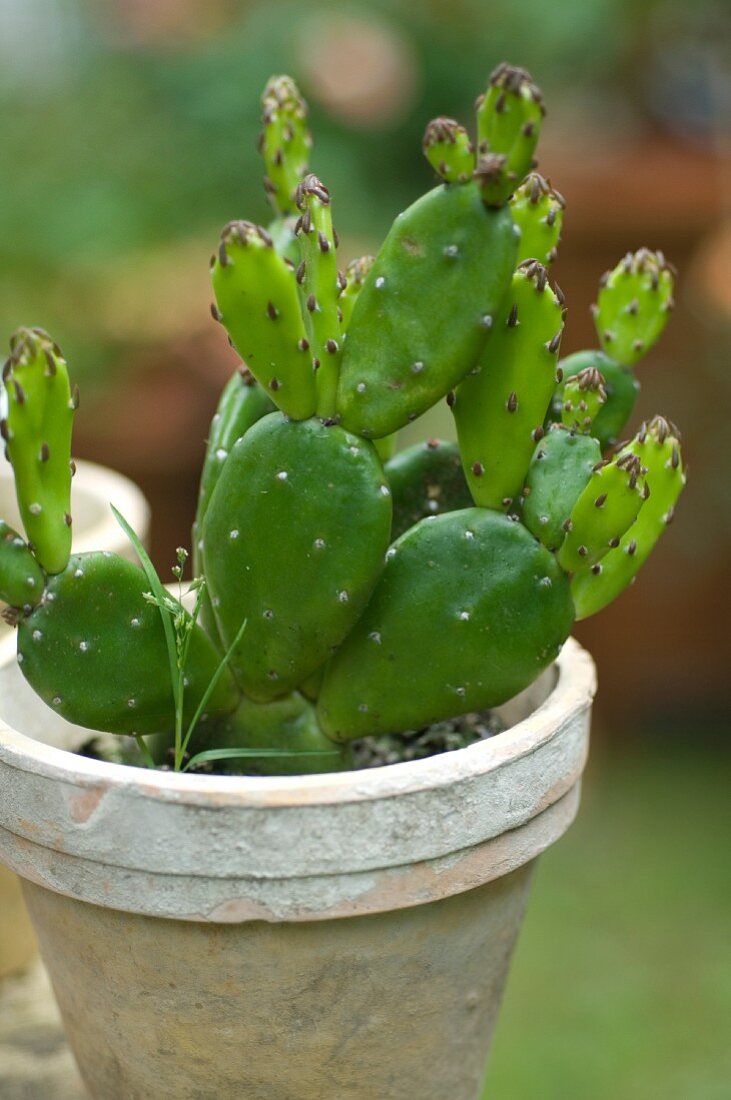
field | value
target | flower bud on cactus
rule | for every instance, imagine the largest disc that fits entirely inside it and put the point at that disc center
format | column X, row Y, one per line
column 448, row 149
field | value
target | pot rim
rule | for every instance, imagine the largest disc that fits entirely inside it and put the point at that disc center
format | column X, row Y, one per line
column 109, row 487
column 571, row 694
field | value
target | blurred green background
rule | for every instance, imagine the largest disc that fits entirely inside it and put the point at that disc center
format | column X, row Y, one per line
column 127, row 130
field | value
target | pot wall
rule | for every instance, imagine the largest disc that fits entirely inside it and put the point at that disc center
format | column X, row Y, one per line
column 341, row 936
column 399, row 1005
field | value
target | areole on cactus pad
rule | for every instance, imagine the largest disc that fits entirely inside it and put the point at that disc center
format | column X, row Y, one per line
column 342, row 590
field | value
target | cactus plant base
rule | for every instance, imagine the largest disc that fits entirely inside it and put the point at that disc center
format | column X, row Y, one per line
column 266, row 955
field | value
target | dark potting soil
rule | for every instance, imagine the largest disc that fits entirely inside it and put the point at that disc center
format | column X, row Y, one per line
column 454, row 733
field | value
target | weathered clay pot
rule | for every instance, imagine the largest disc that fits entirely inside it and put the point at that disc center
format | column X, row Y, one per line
column 339, row 937
column 94, row 529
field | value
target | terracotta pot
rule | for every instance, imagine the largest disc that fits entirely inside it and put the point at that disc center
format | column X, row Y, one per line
column 94, row 529
column 339, row 936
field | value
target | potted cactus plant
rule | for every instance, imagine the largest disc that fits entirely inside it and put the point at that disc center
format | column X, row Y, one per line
column 238, row 904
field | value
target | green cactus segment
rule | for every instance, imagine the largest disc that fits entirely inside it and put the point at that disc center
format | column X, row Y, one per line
column 95, row 652
column 355, row 274
column 509, row 118
column 243, row 402
column 285, row 142
column 621, row 390
column 284, row 239
column 285, row 729
column 426, row 480
column 500, row 407
column 448, row 149
column 293, row 542
column 538, row 212
column 21, row 578
column 561, row 467
column 37, row 434
column 258, row 302
column 386, row 446
column 582, row 399
column 634, row 304
column 469, row 610
column 405, row 350
column 605, row 510
column 658, row 449
column 321, row 288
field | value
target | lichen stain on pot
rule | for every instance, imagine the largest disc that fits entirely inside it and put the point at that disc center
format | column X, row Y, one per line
column 82, row 806
column 397, row 1005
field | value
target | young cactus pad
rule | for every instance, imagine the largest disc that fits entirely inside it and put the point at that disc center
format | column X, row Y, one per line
column 342, row 590
column 37, row 434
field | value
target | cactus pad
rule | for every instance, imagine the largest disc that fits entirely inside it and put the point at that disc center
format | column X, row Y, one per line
column 561, row 467
column 509, row 117
column 95, row 651
column 285, row 142
column 21, row 578
column 404, row 350
column 658, row 449
column 538, row 212
column 426, row 480
column 293, row 542
column 448, row 149
column 470, row 608
column 258, row 303
column 502, row 403
column 37, row 434
column 634, row 304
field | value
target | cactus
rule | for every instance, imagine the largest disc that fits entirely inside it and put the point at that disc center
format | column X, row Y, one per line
column 426, row 480
column 37, row 434
column 21, row 578
column 448, row 149
column 321, row 287
column 657, row 448
column 342, row 591
column 537, row 210
column 503, row 402
column 509, row 117
column 563, row 461
column 633, row 306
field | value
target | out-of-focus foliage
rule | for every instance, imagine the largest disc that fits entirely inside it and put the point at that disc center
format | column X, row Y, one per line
column 121, row 135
